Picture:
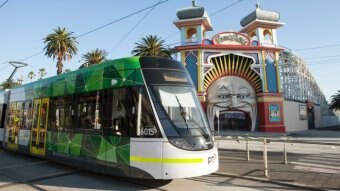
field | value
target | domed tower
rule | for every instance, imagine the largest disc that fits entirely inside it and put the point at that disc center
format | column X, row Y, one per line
column 193, row 22
column 261, row 25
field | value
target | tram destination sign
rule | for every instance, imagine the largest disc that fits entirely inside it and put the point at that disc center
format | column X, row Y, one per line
column 231, row 38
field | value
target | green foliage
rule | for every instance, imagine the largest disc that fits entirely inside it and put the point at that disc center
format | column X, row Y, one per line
column 335, row 102
column 151, row 46
column 31, row 75
column 42, row 72
column 61, row 45
column 9, row 84
column 94, row 57
column 67, row 71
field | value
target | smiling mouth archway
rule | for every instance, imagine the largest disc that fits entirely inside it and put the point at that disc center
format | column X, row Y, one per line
column 231, row 93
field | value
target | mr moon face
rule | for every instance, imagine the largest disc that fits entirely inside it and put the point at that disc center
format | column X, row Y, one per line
column 231, row 93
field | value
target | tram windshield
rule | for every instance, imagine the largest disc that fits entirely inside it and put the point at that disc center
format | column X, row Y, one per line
column 176, row 104
column 183, row 110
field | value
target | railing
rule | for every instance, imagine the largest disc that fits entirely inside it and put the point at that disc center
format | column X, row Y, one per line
column 265, row 140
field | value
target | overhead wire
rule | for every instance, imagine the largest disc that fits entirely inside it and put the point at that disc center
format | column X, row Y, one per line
column 4, row 67
column 320, row 57
column 134, row 27
column 105, row 25
column 110, row 23
column 3, row 4
column 214, row 13
column 224, row 8
column 317, row 47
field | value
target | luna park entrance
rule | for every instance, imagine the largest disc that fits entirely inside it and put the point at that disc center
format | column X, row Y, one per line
column 233, row 120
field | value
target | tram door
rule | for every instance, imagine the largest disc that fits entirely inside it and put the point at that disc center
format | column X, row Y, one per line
column 13, row 127
column 39, row 128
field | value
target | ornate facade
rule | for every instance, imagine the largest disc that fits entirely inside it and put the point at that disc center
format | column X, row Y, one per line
column 236, row 73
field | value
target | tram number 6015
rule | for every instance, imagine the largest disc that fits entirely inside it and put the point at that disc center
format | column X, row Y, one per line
column 148, row 131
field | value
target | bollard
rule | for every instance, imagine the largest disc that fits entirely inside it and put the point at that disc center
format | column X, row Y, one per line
column 265, row 158
column 247, row 148
column 285, row 151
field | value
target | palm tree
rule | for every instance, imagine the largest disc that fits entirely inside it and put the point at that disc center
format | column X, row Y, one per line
column 94, row 57
column 151, row 46
column 20, row 80
column 42, row 72
column 31, row 75
column 60, row 44
column 335, row 102
column 67, row 71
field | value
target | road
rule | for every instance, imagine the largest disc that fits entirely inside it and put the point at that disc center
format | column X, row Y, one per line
column 20, row 172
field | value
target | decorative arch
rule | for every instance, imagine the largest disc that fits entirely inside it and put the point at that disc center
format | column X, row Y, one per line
column 267, row 32
column 271, row 74
column 268, row 36
column 191, row 34
column 233, row 65
column 253, row 36
column 191, row 65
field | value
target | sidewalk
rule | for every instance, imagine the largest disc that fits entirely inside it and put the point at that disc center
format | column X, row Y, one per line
column 311, row 166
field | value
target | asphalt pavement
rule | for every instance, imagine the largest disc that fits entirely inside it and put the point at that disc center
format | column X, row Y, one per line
column 313, row 158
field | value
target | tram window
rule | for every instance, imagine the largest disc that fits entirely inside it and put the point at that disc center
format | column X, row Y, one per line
column 106, row 109
column 43, row 113
column 148, row 127
column 27, row 115
column 20, row 115
column 12, row 115
column 52, row 118
column 36, row 115
column 89, row 111
column 122, row 119
column 62, row 114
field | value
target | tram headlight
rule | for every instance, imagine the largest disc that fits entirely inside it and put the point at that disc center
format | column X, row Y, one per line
column 181, row 143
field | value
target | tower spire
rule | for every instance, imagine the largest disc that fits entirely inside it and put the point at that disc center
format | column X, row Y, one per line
column 257, row 4
column 193, row 3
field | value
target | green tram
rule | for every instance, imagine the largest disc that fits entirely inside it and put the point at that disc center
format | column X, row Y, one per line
column 135, row 117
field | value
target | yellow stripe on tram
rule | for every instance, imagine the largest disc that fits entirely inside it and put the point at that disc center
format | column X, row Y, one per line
column 166, row 160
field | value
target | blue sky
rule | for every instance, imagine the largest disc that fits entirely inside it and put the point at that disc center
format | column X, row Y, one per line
column 24, row 23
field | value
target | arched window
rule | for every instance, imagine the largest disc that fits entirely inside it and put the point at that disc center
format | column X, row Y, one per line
column 253, row 38
column 191, row 35
column 268, row 37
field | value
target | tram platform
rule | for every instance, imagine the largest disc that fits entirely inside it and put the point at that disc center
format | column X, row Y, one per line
column 312, row 159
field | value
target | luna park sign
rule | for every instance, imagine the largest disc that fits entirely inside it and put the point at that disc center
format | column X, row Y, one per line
column 231, row 38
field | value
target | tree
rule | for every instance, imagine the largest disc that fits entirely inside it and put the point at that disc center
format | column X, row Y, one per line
column 9, row 84
column 93, row 57
column 20, row 80
column 42, row 72
column 31, row 75
column 151, row 46
column 60, row 44
column 335, row 102
column 67, row 71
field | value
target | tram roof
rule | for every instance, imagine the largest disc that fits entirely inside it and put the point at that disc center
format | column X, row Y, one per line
column 113, row 73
